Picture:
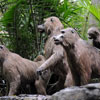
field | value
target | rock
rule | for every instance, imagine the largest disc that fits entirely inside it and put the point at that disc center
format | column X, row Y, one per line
column 86, row 92
column 25, row 97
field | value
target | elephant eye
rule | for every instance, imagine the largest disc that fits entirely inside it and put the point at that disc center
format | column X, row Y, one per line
column 96, row 33
column 62, row 36
column 62, row 32
column 72, row 31
column 1, row 47
column 52, row 20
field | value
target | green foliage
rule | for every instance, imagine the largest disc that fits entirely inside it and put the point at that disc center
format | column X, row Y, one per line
column 93, row 9
column 8, row 16
column 21, row 20
column 73, row 15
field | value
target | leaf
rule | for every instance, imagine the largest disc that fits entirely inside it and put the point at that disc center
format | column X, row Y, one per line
column 93, row 9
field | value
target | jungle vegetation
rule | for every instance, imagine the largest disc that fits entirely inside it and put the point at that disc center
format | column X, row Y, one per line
column 19, row 20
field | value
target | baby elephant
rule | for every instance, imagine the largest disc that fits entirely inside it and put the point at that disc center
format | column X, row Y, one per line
column 84, row 59
column 18, row 70
column 94, row 33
